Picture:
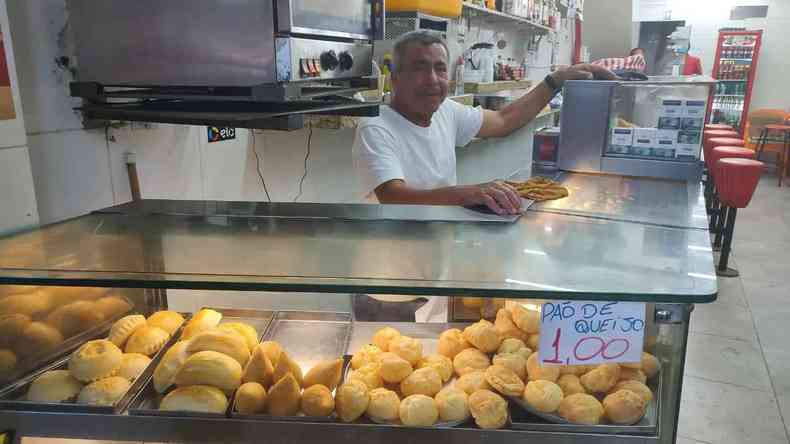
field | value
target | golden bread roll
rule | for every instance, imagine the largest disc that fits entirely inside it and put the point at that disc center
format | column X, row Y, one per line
column 230, row 344
column 635, row 386
column 205, row 319
column 418, row 411
column 452, row 342
column 511, row 345
column 75, row 318
column 367, row 354
column 472, row 382
column 273, row 351
column 287, row 365
column 513, row 361
column 11, row 328
column 506, row 328
column 284, row 397
column 650, row 364
column 383, row 337
column 246, row 331
column 210, row 368
column 624, row 407
column 384, row 405
column 601, row 379
column 527, row 321
column 33, row 304
column 442, row 364
column 536, row 372
column 489, row 409
column 7, row 290
column 37, row 338
column 54, row 386
column 471, row 302
column 147, row 341
column 65, row 295
column 317, row 401
column 534, row 342
column 628, row 374
column 453, row 404
column 351, row 400
column 112, row 306
column 195, row 398
column 631, row 365
column 259, row 368
column 165, row 372
column 368, row 374
column 167, row 320
column 94, row 360
column 326, row 373
column 123, row 328
column 570, row 385
column 133, row 365
column 543, row 396
column 504, row 380
column 7, row 360
column 576, row 370
column 469, row 360
column 423, row 381
column 483, row 336
column 105, row 391
column 581, row 408
column 393, row 368
column 250, row 399
column 407, row 348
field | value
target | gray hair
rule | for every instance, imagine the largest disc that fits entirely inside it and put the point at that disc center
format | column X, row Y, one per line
column 421, row 37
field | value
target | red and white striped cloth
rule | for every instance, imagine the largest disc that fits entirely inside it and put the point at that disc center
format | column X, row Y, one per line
column 631, row 63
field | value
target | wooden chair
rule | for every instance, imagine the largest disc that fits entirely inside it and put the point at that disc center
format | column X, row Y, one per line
column 762, row 138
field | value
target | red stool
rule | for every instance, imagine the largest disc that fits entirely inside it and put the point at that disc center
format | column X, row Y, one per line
column 718, row 126
column 736, row 180
column 707, row 148
column 719, row 133
column 722, row 152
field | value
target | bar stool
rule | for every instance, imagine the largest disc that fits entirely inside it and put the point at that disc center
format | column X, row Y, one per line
column 716, row 221
column 736, row 180
column 707, row 148
column 781, row 161
column 709, row 134
column 718, row 126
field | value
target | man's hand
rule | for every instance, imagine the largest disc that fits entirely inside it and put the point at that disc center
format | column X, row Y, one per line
column 584, row 71
column 498, row 196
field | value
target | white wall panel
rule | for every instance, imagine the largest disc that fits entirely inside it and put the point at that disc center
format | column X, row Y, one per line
column 17, row 195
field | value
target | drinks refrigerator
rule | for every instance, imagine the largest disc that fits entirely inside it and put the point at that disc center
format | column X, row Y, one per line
column 735, row 67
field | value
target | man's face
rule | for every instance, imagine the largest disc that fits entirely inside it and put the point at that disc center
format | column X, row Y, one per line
column 421, row 80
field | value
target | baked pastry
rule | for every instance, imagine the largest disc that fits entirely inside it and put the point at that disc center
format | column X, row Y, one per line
column 94, row 360
column 246, row 331
column 367, row 354
column 624, row 407
column 472, row 382
column 250, row 399
column 7, row 290
column 512, row 345
column 504, row 380
column 205, row 319
column 534, row 342
column 105, row 391
column 423, row 381
column 536, row 372
column 147, row 341
column 11, row 327
column 65, row 295
column 123, row 328
column 167, row 320
column 636, row 387
column 627, row 374
column 195, row 398
column 650, row 364
column 407, row 348
column 513, row 361
column 273, row 350
column 317, row 401
column 112, row 306
column 601, row 379
column 576, row 370
column 488, row 409
column 418, row 411
column 54, row 386
column 7, row 360
column 284, row 397
column 483, row 336
column 287, row 365
column 393, row 368
column 452, row 342
column 34, row 304
column 210, row 368
column 165, row 372
column 543, row 396
column 506, row 328
column 326, row 373
column 490, row 307
column 453, row 404
column 75, row 317
column 570, row 385
column 132, row 365
column 469, row 360
column 384, row 405
column 351, row 400
column 36, row 339
column 442, row 364
column 526, row 320
column 581, row 408
column 368, row 374
column 383, row 337
column 259, row 368
column 230, row 344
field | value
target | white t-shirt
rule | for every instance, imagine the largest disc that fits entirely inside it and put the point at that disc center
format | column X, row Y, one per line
column 391, row 147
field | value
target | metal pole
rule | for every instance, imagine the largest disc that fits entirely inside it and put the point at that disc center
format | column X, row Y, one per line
column 729, row 229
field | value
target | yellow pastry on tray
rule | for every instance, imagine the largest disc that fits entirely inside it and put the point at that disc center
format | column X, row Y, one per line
column 407, row 348
column 536, row 372
column 250, row 399
column 133, row 365
column 167, row 320
column 504, row 380
column 11, row 328
column 513, row 361
column 423, row 381
column 635, row 386
column 195, row 398
column 469, row 360
column 105, row 391
column 37, row 339
column 205, row 319
column 453, row 404
column 383, row 337
column 7, row 290
column 367, row 354
column 210, row 368
column 543, row 396
column 650, row 364
column 418, row 411
column 75, row 317
column 442, row 364
column 147, row 341
column 33, row 304
column 512, row 345
column 601, row 379
column 7, row 360
column 284, row 397
column 473, row 381
column 526, row 320
column 168, row 367
column 384, row 405
column 259, row 368
column 287, row 365
column 576, row 370
column 581, row 409
column 231, row 344
column 317, row 401
column 111, row 306
column 246, row 331
column 570, row 385
column 627, row 374
column 123, row 328
column 506, row 328
column 489, row 409
column 351, row 400
column 534, row 342
column 483, row 336
column 273, row 350
column 368, row 374
column 393, row 369
column 624, row 407
column 54, row 386
column 326, row 373
column 94, row 360
column 452, row 342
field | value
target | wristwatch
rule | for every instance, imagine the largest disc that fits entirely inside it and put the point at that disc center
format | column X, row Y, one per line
column 551, row 83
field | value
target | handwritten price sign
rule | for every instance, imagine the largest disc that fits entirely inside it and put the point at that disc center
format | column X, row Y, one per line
column 579, row 332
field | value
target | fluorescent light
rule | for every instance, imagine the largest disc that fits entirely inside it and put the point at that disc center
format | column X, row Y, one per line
column 548, row 229
column 697, row 248
column 535, row 252
column 540, row 286
column 703, row 276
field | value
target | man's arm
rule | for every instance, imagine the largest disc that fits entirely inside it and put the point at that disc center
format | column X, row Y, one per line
column 498, row 196
column 522, row 111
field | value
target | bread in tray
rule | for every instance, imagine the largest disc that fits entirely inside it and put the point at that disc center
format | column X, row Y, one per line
column 317, row 400
column 250, row 399
column 147, row 340
column 95, row 360
column 228, row 343
column 54, row 386
column 169, row 365
column 112, row 306
column 246, row 331
column 210, row 368
column 418, row 411
column 167, row 320
column 624, row 407
column 284, row 398
column 37, row 338
column 133, row 365
column 384, row 405
column 453, row 405
column 105, row 392
column 205, row 319
column 488, row 409
column 326, row 373
column 195, row 398
column 351, row 400
column 124, row 328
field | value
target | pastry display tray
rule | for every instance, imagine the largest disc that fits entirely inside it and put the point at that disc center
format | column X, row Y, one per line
column 427, row 333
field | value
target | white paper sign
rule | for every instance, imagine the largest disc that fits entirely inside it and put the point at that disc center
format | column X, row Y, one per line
column 582, row 332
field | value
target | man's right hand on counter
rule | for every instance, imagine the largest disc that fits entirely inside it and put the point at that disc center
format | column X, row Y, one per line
column 498, row 196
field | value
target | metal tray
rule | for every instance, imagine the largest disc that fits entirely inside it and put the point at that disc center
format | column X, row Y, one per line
column 427, row 333
column 13, row 398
